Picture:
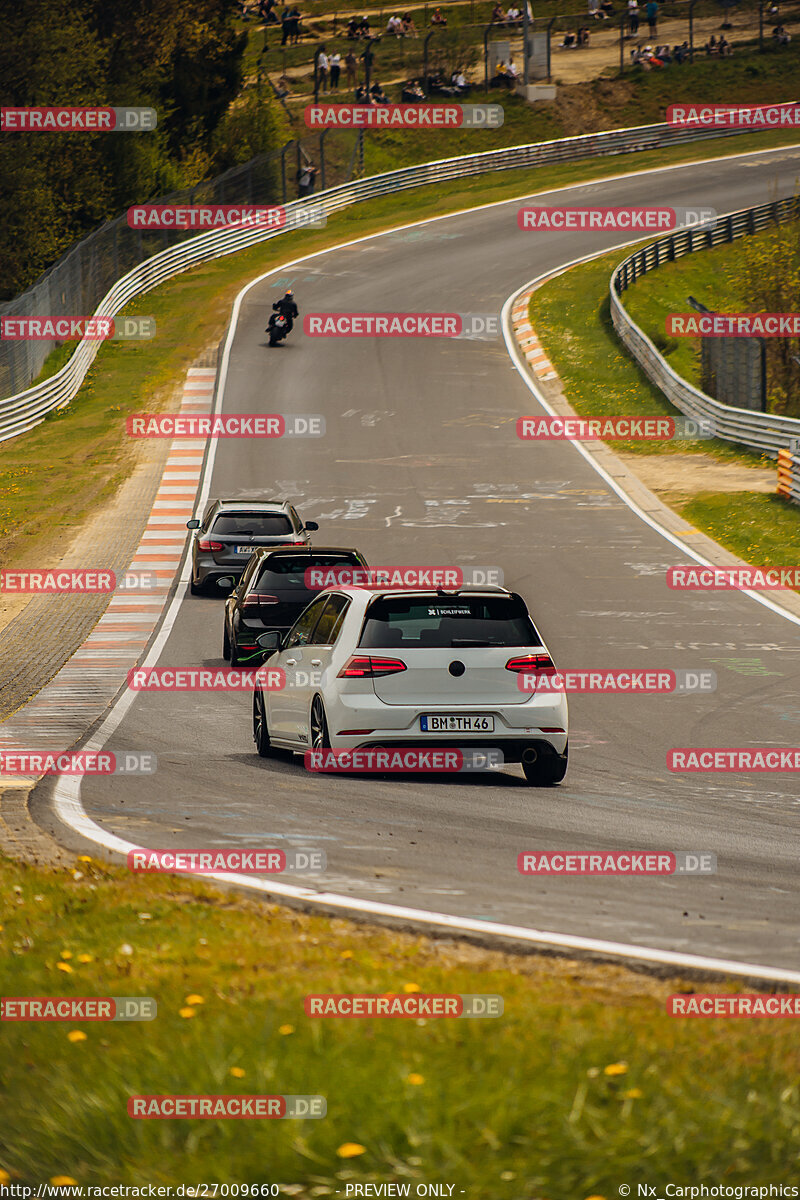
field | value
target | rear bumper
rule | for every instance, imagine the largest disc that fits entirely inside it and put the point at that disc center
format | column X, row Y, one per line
column 516, row 726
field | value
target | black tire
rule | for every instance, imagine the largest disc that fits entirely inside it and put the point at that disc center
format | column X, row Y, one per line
column 235, row 658
column 226, row 643
column 548, row 769
column 264, row 746
column 273, row 338
column 318, row 724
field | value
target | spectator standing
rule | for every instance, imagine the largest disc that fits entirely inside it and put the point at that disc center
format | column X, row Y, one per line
column 322, row 71
column 350, row 69
column 633, row 17
column 652, row 16
column 335, row 63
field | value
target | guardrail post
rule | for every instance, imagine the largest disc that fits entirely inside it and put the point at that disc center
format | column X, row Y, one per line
column 486, row 33
column 621, row 42
column 760, row 26
column 425, row 61
column 283, row 170
column 322, row 159
column 691, row 30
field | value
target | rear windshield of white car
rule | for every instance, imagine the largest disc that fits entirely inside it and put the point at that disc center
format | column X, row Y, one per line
column 246, row 524
column 450, row 622
column 289, row 570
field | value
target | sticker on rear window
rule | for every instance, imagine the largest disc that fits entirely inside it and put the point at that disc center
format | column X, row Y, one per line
column 449, row 612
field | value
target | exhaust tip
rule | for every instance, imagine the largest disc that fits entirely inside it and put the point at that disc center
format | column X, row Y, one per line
column 530, row 755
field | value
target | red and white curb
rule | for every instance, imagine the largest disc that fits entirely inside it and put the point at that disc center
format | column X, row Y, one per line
column 57, row 716
column 527, row 340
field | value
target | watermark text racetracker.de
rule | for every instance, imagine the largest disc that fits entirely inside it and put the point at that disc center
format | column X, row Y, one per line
column 45, row 328
column 223, row 425
column 227, row 1107
column 401, row 759
column 616, row 862
column 623, row 219
column 242, row 860
column 404, row 116
column 621, row 428
column 78, row 1008
column 74, row 581
column 200, row 218
column 77, row 120
column 616, row 681
column 33, row 763
column 409, row 1005
column 473, row 326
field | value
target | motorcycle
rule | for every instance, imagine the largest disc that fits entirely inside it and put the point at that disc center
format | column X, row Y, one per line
column 277, row 329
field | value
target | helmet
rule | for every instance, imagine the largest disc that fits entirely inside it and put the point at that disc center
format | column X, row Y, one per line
column 289, row 292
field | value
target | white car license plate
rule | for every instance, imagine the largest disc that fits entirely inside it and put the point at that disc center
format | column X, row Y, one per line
column 245, row 549
column 443, row 723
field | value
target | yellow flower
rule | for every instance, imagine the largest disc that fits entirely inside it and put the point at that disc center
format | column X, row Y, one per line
column 618, row 1068
column 633, row 1094
column 63, row 1180
column 344, row 954
column 76, row 1035
column 85, row 958
column 595, row 1198
column 350, row 1150
column 4, row 1175
column 195, row 999
column 66, row 954
column 411, row 987
column 415, row 1079
column 286, row 1029
column 65, row 967
column 187, row 1012
column 84, row 858
column 237, row 1072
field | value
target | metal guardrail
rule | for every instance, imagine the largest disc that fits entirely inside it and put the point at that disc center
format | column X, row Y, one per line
column 27, row 409
column 789, row 474
column 758, row 431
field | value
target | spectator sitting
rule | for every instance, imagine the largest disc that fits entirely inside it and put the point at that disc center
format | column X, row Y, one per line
column 459, row 81
column 607, row 8
column 395, row 27
column 781, row 36
column 594, row 10
column 378, row 94
column 570, row 42
column 513, row 16
column 412, row 93
column 437, row 18
column 363, row 27
column 663, row 54
column 352, row 28
column 680, row 53
column 711, row 46
column 513, row 73
column 498, row 14
column 409, row 28
column 583, row 36
column 725, row 48
column 362, row 95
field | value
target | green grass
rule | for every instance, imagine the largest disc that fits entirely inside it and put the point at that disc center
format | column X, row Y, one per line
column 52, row 477
column 760, row 528
column 571, row 314
column 508, row 1109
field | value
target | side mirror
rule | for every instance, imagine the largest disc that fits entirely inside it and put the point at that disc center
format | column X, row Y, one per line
column 269, row 641
column 193, row 524
column 312, row 526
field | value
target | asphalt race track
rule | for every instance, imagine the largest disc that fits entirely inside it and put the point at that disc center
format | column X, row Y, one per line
column 421, row 464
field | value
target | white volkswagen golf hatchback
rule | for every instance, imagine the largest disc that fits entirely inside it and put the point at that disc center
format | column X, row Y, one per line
column 366, row 668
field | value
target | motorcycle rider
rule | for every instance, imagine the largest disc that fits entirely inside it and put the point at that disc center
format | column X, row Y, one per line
column 287, row 309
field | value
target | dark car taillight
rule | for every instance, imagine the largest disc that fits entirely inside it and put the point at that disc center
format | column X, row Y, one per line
column 206, row 544
column 532, row 664
column 254, row 600
column 367, row 666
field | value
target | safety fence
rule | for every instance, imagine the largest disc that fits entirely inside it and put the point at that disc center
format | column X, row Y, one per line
column 758, row 431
